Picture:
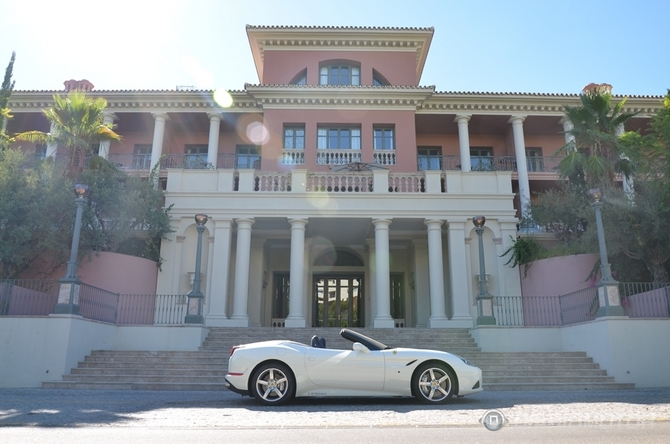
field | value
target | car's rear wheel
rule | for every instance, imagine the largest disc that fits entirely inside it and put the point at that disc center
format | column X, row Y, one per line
column 434, row 383
column 273, row 384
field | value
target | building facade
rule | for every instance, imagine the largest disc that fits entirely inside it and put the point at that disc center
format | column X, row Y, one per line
column 339, row 191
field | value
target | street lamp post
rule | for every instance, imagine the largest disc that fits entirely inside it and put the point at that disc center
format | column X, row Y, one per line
column 68, row 293
column 608, row 288
column 195, row 296
column 484, row 298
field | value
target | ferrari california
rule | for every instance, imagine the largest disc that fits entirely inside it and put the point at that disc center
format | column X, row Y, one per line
column 274, row 372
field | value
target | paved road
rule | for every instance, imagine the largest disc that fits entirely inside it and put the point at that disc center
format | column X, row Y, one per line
column 226, row 410
column 656, row 433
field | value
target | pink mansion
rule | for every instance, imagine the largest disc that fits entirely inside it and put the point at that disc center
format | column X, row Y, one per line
column 337, row 176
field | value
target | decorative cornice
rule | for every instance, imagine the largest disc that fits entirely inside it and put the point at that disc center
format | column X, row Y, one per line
column 323, row 96
column 523, row 103
column 423, row 99
column 141, row 101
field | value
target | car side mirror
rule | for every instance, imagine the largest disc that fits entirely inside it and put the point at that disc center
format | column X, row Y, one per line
column 358, row 347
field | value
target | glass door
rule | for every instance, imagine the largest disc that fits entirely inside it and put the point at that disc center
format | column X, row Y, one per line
column 338, row 301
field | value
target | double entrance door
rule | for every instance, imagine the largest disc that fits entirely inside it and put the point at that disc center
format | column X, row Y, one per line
column 338, row 300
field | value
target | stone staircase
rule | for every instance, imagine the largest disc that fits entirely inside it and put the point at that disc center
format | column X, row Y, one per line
column 205, row 369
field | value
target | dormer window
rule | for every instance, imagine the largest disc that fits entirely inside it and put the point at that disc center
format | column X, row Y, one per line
column 340, row 74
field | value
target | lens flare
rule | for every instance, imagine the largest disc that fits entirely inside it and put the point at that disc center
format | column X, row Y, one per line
column 223, row 98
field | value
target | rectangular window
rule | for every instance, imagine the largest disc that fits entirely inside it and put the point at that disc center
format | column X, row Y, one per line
column 481, row 159
column 339, row 138
column 294, row 137
column 384, row 138
column 40, row 151
column 248, row 156
column 195, row 156
column 534, row 159
column 429, row 158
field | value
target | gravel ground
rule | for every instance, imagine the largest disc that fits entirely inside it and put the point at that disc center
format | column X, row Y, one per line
column 226, row 410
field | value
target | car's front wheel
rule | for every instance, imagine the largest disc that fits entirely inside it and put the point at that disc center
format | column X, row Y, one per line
column 273, row 384
column 433, row 383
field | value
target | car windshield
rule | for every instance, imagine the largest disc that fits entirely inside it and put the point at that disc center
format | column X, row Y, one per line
column 358, row 337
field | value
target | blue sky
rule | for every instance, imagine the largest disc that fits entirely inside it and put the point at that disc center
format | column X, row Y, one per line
column 534, row 46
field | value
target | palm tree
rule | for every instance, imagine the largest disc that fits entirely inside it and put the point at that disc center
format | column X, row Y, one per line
column 77, row 124
column 595, row 154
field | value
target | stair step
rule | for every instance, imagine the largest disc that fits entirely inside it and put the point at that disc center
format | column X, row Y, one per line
column 133, row 386
column 558, row 386
column 205, row 369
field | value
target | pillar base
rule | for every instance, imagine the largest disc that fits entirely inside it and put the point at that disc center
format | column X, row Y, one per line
column 384, row 322
column 295, row 323
column 486, row 320
column 194, row 319
column 66, row 309
column 241, row 321
column 610, row 310
column 438, row 322
column 216, row 320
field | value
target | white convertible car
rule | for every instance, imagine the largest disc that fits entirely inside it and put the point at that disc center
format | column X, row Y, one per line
column 275, row 371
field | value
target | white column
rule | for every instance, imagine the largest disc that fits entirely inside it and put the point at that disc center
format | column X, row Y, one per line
column 103, row 151
column 220, row 266
column 521, row 164
column 52, row 147
column 459, row 276
column 213, row 144
column 296, row 308
column 567, row 127
column 628, row 185
column 383, row 317
column 464, row 140
column 240, row 316
column 157, row 143
column 438, row 317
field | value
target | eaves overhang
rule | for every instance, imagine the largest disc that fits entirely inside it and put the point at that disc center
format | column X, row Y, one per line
column 141, row 101
column 323, row 96
column 524, row 103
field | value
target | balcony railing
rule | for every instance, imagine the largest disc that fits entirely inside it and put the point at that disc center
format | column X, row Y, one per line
column 490, row 163
column 344, row 182
column 293, row 157
column 384, row 157
column 407, row 183
column 337, row 157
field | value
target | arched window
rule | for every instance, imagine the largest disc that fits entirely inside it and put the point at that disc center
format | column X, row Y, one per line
column 338, row 258
column 378, row 79
column 340, row 73
column 300, row 79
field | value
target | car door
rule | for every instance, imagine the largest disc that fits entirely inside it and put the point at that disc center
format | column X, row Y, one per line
column 346, row 369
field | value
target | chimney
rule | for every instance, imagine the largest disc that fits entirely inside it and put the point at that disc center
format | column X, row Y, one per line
column 78, row 85
column 597, row 88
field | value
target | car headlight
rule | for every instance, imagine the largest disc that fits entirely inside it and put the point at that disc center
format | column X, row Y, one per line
column 465, row 361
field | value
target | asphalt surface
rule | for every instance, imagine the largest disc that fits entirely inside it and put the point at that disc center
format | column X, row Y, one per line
column 227, row 410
